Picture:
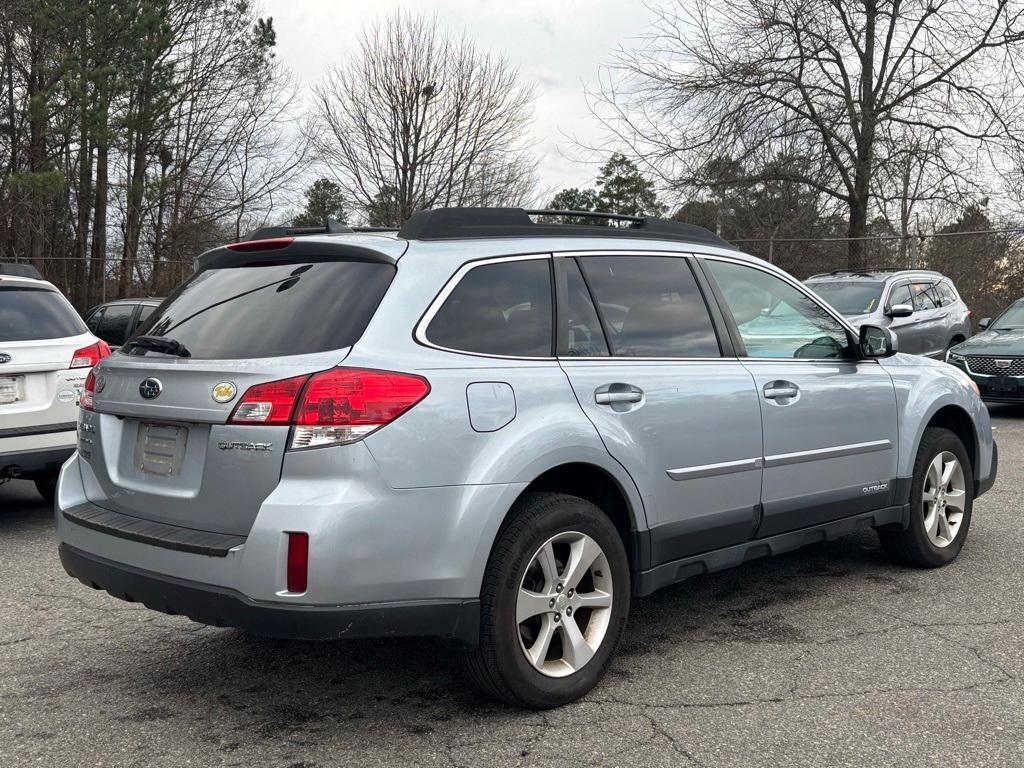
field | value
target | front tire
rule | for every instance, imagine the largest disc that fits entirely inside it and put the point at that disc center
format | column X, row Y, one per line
column 941, row 502
column 554, row 603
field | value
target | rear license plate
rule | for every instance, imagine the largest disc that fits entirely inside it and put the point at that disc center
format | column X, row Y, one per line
column 1004, row 385
column 160, row 448
column 10, row 389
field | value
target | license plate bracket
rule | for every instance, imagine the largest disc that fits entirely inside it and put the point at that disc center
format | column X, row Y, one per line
column 1004, row 385
column 10, row 389
column 160, row 448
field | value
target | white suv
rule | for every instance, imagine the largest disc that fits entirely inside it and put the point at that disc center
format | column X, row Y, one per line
column 45, row 353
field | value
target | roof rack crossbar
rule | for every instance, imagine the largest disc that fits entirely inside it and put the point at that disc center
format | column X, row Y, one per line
column 331, row 227
column 466, row 223
column 586, row 215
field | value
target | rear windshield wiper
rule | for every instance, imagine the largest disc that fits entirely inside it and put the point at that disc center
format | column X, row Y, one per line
column 158, row 344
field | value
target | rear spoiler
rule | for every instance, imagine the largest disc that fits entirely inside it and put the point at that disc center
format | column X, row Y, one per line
column 287, row 250
column 20, row 270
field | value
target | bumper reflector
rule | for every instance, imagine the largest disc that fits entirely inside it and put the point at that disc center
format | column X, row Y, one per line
column 298, row 562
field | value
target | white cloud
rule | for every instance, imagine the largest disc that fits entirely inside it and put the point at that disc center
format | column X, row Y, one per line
column 559, row 45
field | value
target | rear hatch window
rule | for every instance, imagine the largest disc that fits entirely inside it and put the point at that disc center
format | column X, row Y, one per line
column 28, row 314
column 270, row 310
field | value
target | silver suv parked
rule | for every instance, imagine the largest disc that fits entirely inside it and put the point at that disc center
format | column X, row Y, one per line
column 499, row 432
column 921, row 306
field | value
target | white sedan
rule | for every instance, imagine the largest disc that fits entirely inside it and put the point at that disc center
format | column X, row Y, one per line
column 45, row 353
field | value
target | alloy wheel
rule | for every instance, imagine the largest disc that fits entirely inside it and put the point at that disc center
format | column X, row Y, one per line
column 564, row 603
column 943, row 498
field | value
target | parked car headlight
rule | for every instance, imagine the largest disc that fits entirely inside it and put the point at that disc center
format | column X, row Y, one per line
column 953, row 357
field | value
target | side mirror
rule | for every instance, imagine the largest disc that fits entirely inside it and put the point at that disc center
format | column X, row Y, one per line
column 900, row 310
column 984, row 323
column 877, row 342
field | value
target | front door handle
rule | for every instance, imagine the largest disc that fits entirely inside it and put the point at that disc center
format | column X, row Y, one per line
column 781, row 390
column 612, row 394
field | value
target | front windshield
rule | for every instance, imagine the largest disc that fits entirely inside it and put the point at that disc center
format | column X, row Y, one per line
column 849, row 297
column 1010, row 319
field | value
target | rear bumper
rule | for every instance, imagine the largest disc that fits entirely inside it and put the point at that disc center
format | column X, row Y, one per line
column 223, row 607
column 34, row 463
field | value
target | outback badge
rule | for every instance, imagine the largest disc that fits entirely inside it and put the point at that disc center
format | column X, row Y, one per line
column 224, row 392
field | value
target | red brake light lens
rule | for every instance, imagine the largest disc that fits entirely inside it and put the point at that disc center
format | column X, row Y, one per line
column 271, row 244
column 358, row 397
column 331, row 407
column 298, row 562
column 87, row 357
column 88, row 398
column 270, row 403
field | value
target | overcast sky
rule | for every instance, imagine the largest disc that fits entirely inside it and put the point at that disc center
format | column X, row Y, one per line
column 559, row 45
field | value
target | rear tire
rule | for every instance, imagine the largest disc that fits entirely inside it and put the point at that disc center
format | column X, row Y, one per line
column 549, row 622
column 941, row 502
column 47, row 487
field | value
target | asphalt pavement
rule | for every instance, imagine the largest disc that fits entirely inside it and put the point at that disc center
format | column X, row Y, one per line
column 829, row 656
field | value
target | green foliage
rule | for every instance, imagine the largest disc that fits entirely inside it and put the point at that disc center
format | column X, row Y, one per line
column 324, row 200
column 385, row 211
column 621, row 188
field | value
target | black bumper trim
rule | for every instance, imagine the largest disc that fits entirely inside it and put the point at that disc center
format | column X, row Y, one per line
column 152, row 532
column 42, row 429
column 34, row 463
column 985, row 485
column 458, row 620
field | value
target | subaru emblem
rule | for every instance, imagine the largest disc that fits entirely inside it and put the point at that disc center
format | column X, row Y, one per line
column 4, row 358
column 150, row 388
column 101, row 383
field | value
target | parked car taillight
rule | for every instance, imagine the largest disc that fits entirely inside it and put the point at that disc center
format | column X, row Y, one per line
column 87, row 357
column 338, row 406
column 88, row 398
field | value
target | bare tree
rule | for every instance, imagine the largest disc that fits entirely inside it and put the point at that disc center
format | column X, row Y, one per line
column 420, row 118
column 728, row 77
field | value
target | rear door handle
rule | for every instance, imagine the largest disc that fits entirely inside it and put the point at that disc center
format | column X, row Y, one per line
column 610, row 394
column 780, row 390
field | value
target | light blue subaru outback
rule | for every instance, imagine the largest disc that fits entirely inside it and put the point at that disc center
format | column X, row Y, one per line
column 498, row 430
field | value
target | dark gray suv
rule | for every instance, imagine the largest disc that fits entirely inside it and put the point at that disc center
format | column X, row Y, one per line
column 922, row 307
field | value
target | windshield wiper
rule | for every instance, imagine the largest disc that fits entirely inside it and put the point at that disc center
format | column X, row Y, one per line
column 159, row 344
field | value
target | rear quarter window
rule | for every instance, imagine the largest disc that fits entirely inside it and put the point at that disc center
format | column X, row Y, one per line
column 504, row 308
column 271, row 310
column 36, row 313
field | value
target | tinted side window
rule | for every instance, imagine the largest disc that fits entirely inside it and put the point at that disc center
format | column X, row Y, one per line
column 651, row 306
column 922, row 294
column 112, row 327
column 94, row 318
column 585, row 338
column 498, row 309
column 36, row 313
column 774, row 318
column 900, row 295
column 946, row 293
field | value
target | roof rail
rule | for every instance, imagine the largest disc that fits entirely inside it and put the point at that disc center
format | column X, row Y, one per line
column 265, row 233
column 20, row 270
column 869, row 271
column 461, row 223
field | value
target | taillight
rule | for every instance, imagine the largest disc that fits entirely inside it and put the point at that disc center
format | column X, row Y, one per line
column 88, row 398
column 298, row 562
column 270, row 403
column 341, row 405
column 87, row 357
column 347, row 404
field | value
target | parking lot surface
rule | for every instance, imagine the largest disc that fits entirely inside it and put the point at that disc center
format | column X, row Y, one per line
column 829, row 656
